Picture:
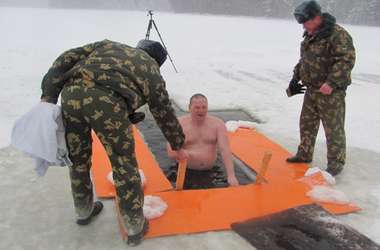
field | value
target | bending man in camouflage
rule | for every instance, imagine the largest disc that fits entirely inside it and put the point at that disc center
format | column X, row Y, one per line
column 327, row 58
column 101, row 84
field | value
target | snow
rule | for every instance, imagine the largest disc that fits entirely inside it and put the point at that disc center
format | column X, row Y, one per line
column 236, row 62
column 232, row 126
column 252, row 57
column 327, row 176
column 328, row 195
column 154, row 207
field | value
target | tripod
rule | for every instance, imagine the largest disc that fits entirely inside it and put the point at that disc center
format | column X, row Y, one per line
column 151, row 24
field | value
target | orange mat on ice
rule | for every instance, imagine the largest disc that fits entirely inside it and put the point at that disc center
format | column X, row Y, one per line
column 101, row 166
column 193, row 211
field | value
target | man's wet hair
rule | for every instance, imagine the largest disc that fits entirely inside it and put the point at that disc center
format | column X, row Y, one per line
column 197, row 95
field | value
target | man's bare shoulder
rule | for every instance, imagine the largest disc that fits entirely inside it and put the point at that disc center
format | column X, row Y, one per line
column 215, row 121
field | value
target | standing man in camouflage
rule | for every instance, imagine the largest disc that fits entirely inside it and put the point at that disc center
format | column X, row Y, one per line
column 101, row 85
column 324, row 70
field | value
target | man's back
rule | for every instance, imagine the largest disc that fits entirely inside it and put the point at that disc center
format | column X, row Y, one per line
column 119, row 67
column 129, row 74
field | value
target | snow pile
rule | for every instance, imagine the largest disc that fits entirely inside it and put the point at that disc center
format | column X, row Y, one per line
column 322, row 191
column 328, row 194
column 142, row 175
column 232, row 126
column 154, row 207
column 327, row 176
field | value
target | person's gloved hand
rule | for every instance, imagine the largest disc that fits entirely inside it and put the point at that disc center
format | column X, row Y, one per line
column 295, row 88
column 136, row 117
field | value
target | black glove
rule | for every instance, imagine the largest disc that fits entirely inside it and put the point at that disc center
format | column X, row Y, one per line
column 136, row 117
column 295, row 88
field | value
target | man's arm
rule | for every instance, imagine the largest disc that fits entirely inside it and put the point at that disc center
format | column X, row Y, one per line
column 343, row 54
column 296, row 71
column 175, row 155
column 163, row 112
column 172, row 153
column 224, row 147
column 53, row 81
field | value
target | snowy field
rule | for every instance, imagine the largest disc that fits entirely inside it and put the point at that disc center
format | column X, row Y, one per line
column 237, row 62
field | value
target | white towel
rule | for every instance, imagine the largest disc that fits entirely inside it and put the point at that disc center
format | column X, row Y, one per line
column 40, row 133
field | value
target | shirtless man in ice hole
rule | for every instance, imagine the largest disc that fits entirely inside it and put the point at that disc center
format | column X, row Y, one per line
column 204, row 134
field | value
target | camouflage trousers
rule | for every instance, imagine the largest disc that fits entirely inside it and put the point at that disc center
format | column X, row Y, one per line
column 331, row 111
column 101, row 110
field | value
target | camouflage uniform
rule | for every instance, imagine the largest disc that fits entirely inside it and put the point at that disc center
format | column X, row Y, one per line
column 326, row 57
column 102, row 83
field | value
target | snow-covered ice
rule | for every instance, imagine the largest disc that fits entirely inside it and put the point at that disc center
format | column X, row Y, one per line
column 236, row 62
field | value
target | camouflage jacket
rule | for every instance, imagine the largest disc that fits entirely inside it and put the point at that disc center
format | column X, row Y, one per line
column 129, row 72
column 328, row 56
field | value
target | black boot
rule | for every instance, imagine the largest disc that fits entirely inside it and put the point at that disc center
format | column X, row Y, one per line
column 136, row 239
column 297, row 159
column 334, row 171
column 98, row 206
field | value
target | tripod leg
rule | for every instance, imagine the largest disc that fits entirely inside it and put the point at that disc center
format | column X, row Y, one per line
column 148, row 30
column 159, row 35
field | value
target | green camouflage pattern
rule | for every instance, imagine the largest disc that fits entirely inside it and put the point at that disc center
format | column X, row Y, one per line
column 326, row 57
column 105, row 112
column 130, row 72
column 100, row 85
column 330, row 110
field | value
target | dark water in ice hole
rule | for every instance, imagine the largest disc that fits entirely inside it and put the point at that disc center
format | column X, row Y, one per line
column 157, row 142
